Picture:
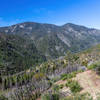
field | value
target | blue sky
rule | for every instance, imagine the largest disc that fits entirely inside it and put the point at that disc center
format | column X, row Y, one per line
column 59, row 12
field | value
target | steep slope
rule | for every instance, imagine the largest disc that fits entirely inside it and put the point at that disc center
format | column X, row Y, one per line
column 17, row 54
column 53, row 41
column 32, row 82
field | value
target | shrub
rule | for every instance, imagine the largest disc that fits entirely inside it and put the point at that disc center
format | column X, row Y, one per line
column 93, row 66
column 84, row 63
column 61, row 86
column 46, row 97
column 55, row 79
column 54, row 96
column 38, row 76
column 84, row 96
column 74, row 86
column 68, row 76
column 56, row 88
column 3, row 97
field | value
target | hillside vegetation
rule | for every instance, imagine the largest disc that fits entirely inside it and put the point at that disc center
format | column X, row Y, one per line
column 49, row 62
column 53, row 41
column 40, row 80
column 17, row 54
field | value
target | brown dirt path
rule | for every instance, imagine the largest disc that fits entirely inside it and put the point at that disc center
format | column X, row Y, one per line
column 90, row 82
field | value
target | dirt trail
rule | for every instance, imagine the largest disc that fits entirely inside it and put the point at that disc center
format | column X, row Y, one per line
column 90, row 82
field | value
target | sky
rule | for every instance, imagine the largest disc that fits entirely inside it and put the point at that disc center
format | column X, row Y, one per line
column 59, row 12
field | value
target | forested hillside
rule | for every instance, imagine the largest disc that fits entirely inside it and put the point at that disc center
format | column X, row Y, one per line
column 54, row 41
column 17, row 54
column 44, row 61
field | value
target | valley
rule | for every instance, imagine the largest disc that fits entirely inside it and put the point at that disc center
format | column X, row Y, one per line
column 49, row 62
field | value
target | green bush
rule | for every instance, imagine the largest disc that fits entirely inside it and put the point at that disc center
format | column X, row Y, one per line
column 84, row 96
column 46, row 97
column 50, row 96
column 61, row 86
column 55, row 96
column 56, row 88
column 74, row 86
column 68, row 76
column 93, row 66
column 55, row 79
column 3, row 97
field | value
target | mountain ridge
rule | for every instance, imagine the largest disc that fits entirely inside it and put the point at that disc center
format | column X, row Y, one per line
column 69, row 23
column 62, row 37
column 40, row 42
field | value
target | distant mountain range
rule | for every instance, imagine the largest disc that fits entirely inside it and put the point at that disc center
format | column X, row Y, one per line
column 36, row 42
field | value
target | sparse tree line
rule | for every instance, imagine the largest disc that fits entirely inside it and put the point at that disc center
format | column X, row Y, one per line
column 31, row 90
column 34, row 76
column 15, row 80
column 37, row 76
column 30, row 84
